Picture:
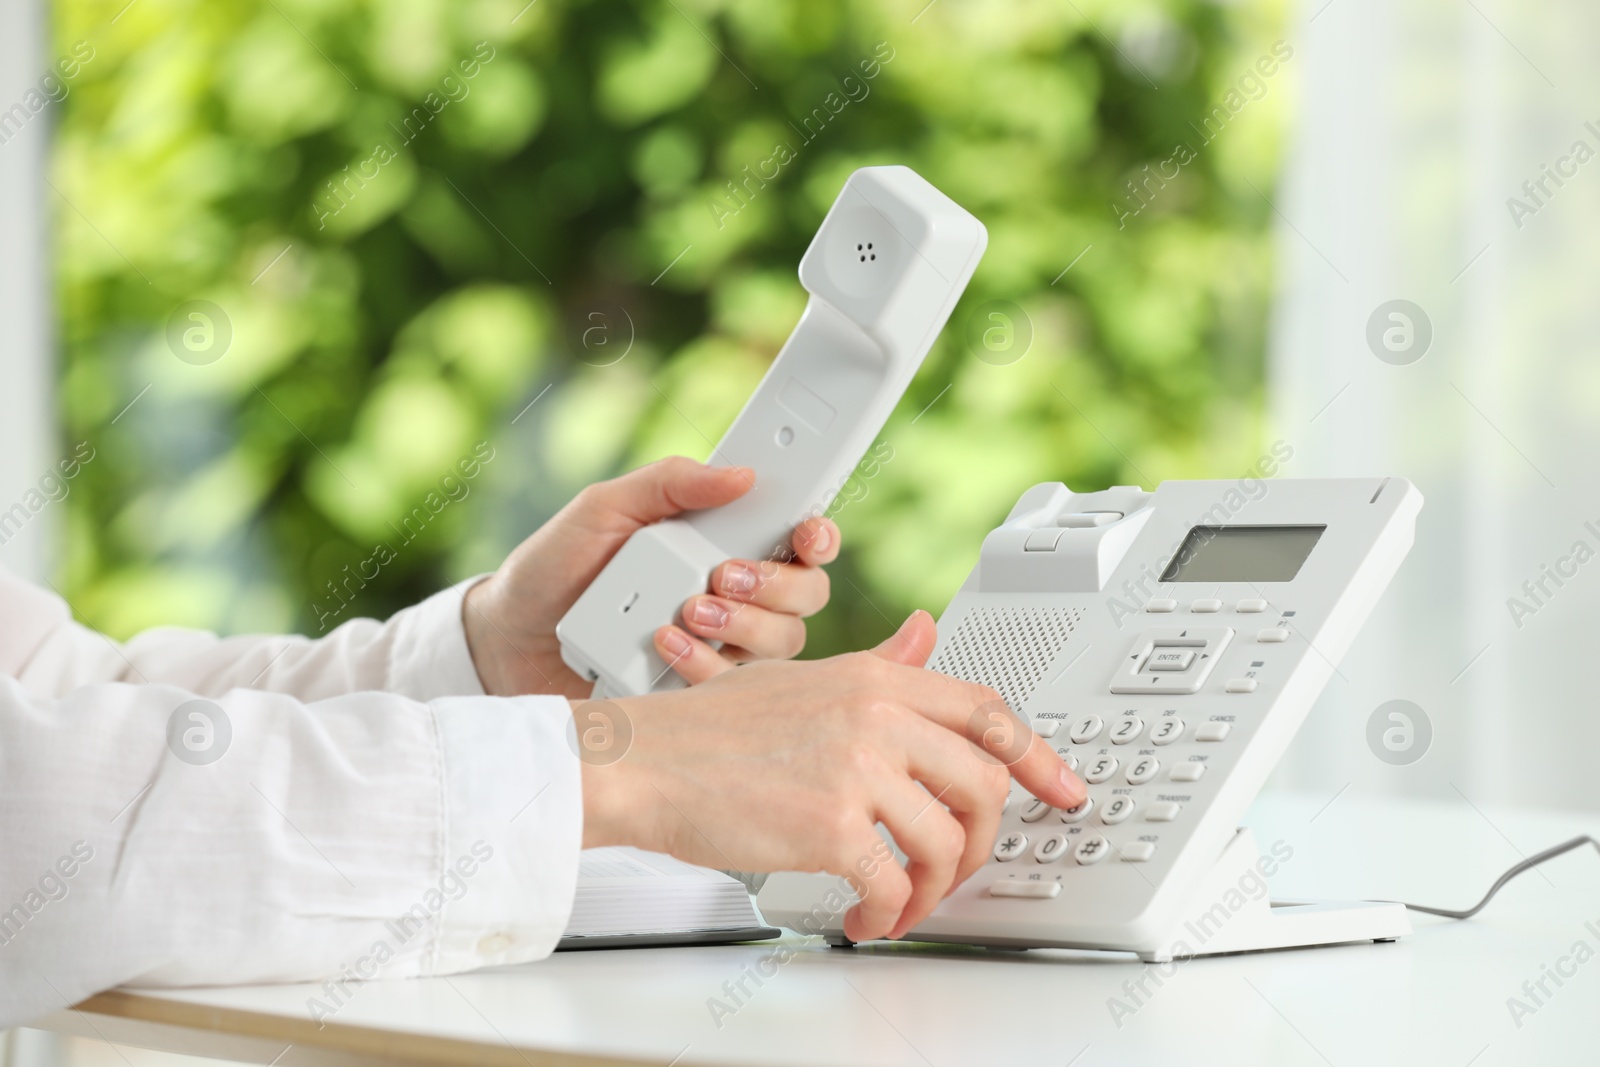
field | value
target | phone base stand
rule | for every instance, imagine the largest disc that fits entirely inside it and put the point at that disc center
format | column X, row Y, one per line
column 1216, row 923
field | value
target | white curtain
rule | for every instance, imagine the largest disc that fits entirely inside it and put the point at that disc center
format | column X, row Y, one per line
column 27, row 446
column 1418, row 125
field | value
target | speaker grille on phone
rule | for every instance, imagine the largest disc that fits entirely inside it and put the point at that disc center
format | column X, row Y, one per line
column 1006, row 649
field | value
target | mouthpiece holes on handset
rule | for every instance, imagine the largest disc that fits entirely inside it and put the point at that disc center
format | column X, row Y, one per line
column 786, row 436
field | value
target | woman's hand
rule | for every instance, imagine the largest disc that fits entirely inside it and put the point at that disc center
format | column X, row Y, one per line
column 790, row 766
column 756, row 608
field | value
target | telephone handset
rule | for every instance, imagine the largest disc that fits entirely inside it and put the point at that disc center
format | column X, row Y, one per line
column 1168, row 644
column 884, row 271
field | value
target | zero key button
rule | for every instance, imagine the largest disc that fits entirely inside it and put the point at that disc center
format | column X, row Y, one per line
column 1051, row 848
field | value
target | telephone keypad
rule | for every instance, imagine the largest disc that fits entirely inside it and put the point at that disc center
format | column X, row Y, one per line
column 1116, row 808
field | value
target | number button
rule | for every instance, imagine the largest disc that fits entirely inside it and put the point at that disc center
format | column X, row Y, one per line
column 1126, row 730
column 1086, row 730
column 1101, row 768
column 1167, row 731
column 1116, row 811
column 1141, row 770
column 1050, row 849
column 1034, row 810
column 1010, row 846
column 1091, row 849
column 1079, row 813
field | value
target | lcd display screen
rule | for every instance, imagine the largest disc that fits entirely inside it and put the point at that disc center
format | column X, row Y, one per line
column 1242, row 553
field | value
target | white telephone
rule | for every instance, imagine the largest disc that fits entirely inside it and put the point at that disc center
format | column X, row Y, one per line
column 1168, row 644
column 884, row 272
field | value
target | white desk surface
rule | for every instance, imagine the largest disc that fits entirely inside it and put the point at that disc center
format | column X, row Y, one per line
column 1437, row 997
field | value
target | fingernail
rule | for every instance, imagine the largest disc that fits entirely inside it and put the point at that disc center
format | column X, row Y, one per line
column 674, row 641
column 822, row 539
column 1073, row 785
column 710, row 614
column 737, row 578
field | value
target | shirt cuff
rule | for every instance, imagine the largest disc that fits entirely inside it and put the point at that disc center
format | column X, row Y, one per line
column 513, row 795
column 430, row 658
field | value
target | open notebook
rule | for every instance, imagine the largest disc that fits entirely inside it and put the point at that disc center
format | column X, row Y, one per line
column 629, row 897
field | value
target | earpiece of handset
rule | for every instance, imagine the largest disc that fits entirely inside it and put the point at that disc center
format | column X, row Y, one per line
column 884, row 272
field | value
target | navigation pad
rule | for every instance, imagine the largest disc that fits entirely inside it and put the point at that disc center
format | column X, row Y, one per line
column 1171, row 660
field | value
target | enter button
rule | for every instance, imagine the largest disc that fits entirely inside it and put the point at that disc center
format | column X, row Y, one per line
column 1169, row 660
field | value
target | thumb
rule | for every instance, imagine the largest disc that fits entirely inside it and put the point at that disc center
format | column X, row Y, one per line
column 913, row 643
column 669, row 487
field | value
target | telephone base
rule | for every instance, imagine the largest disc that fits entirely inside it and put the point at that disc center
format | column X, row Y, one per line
column 1305, row 924
column 1224, row 918
column 1210, row 927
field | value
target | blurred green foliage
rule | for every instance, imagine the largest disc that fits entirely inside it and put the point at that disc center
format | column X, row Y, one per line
column 516, row 169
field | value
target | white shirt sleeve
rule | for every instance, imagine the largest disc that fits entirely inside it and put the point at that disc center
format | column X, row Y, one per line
column 420, row 652
column 327, row 830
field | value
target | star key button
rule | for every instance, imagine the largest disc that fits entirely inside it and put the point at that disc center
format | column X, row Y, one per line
column 1010, row 846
